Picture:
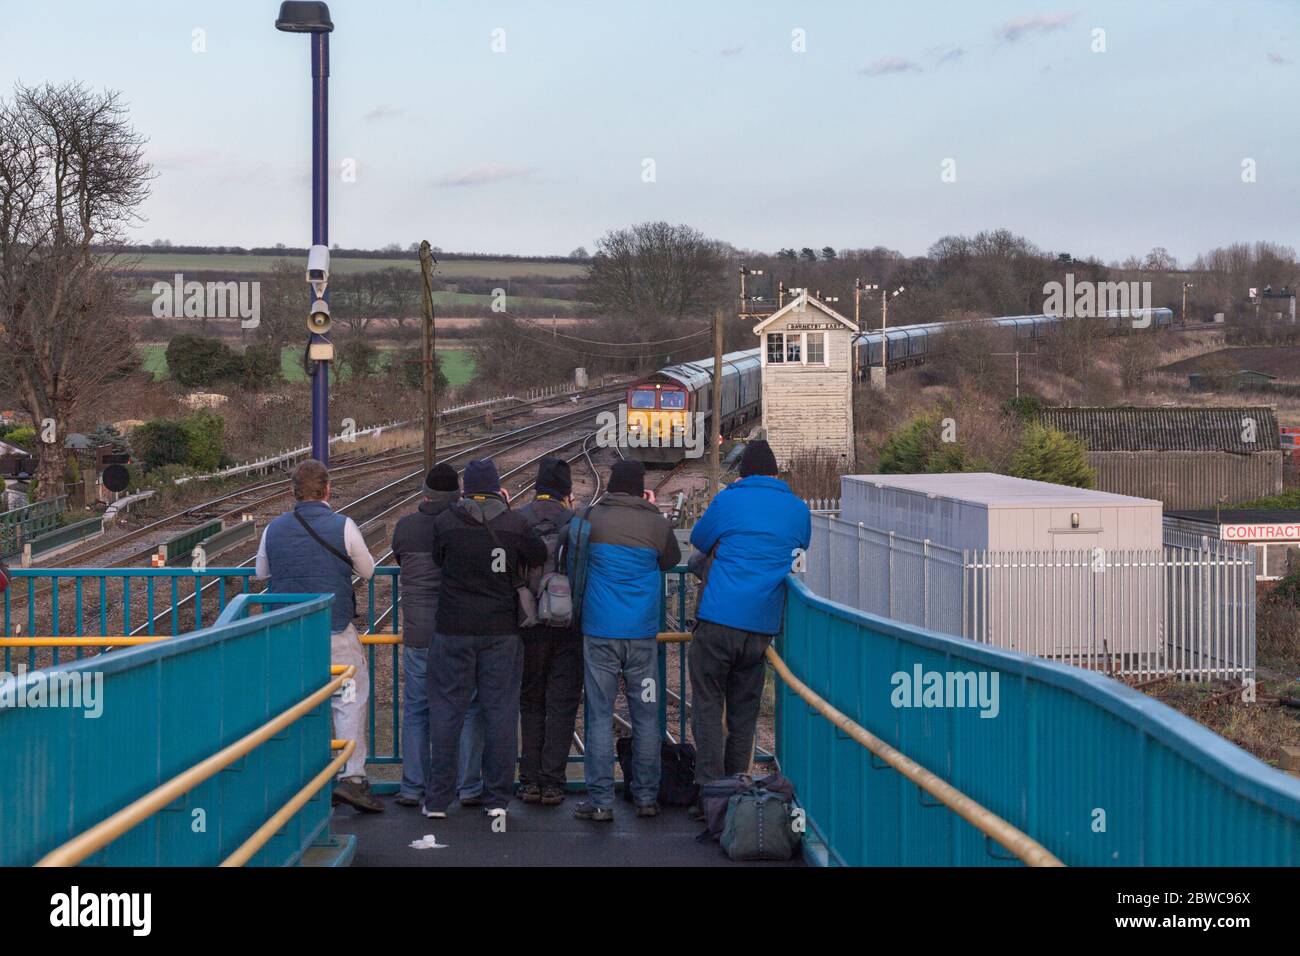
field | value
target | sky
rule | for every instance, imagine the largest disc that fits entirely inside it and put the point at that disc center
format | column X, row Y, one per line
column 535, row 127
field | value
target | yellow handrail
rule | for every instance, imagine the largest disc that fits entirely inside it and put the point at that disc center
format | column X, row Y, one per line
column 104, row 833
column 268, row 829
column 115, row 640
column 987, row 822
column 664, row 637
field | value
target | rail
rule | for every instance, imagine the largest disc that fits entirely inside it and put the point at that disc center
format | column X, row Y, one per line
column 157, row 799
column 1096, row 772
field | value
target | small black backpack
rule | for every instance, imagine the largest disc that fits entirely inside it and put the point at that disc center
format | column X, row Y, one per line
column 676, row 777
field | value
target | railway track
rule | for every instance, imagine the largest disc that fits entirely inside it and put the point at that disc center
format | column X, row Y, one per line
column 260, row 495
column 388, row 508
column 367, row 510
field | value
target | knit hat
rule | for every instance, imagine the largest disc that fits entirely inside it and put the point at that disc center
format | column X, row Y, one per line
column 553, row 478
column 627, row 477
column 441, row 478
column 758, row 459
column 481, row 477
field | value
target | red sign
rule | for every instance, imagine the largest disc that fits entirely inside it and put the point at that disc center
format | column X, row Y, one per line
column 1259, row 532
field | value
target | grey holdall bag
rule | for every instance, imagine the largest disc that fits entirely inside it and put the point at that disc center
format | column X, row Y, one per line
column 759, row 825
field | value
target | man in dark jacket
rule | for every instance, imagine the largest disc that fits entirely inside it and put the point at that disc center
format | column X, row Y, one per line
column 552, row 682
column 754, row 528
column 630, row 546
column 482, row 548
column 419, row 580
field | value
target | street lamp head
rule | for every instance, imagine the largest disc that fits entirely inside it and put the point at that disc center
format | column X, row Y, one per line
column 304, row 16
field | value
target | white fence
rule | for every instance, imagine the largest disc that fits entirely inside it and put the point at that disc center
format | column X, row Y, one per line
column 1184, row 610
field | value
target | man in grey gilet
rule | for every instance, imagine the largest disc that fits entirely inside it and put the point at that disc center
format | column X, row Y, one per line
column 312, row 550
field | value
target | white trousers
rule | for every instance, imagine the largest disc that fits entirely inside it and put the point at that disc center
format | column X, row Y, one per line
column 349, row 704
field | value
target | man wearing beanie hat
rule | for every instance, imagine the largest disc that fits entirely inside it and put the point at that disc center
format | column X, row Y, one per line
column 552, row 682
column 420, row 580
column 619, row 588
column 754, row 528
column 482, row 550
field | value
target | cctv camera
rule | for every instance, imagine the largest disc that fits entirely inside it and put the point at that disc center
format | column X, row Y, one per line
column 319, row 319
column 318, row 268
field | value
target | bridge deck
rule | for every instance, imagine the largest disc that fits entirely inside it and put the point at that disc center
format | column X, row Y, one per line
column 536, row 836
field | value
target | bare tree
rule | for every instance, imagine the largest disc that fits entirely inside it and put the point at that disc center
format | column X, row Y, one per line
column 284, row 303
column 655, row 269
column 72, row 176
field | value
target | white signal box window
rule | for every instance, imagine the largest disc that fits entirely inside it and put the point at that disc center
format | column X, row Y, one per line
column 776, row 347
column 815, row 353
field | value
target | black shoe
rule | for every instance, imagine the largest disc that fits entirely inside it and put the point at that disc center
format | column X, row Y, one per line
column 356, row 793
column 650, row 809
column 552, row 796
column 476, row 801
column 530, row 793
column 404, row 801
column 589, row 811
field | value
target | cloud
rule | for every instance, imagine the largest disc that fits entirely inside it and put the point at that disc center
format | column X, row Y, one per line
column 484, row 175
column 383, row 111
column 1277, row 58
column 890, row 64
column 1020, row 27
column 956, row 53
column 732, row 51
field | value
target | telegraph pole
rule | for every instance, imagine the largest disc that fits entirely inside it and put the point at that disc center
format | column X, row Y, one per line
column 427, row 358
column 715, row 431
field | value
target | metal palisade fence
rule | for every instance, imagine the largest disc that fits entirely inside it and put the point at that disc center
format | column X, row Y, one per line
column 1186, row 610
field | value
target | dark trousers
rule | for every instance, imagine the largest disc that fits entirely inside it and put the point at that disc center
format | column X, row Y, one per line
column 459, row 665
column 726, row 667
column 548, row 703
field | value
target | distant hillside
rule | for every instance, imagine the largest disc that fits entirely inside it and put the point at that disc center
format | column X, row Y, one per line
column 1282, row 361
column 452, row 268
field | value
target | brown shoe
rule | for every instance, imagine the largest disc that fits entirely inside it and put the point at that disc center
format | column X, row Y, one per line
column 356, row 793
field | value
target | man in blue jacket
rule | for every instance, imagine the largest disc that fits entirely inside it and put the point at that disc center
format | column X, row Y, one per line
column 628, row 547
column 754, row 528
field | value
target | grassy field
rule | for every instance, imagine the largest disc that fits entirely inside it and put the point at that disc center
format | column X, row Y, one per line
column 457, row 364
column 468, row 268
column 441, row 300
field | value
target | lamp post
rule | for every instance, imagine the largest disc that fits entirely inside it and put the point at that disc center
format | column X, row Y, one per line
column 313, row 18
column 884, row 325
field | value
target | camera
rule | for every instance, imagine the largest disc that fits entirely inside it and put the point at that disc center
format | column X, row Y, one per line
column 318, row 269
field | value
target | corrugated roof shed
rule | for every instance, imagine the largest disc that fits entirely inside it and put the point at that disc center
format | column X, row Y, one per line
column 1165, row 428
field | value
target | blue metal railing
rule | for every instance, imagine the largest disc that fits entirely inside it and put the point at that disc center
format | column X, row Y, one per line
column 151, row 601
column 1100, row 774
column 164, row 708
column 22, row 524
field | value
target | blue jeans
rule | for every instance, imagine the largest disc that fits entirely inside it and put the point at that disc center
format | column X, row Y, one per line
column 415, row 732
column 605, row 658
